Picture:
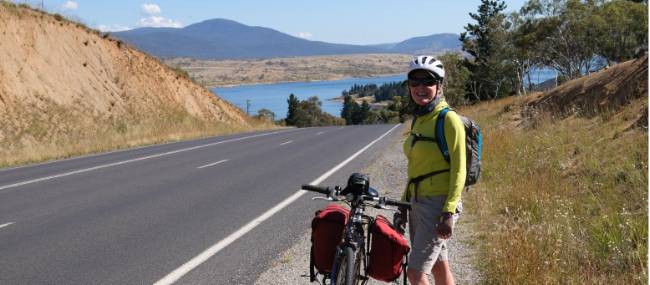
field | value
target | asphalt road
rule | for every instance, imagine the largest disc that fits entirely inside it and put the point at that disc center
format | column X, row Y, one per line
column 172, row 212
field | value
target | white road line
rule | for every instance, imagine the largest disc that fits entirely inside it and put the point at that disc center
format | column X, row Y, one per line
column 319, row 133
column 129, row 161
column 6, row 225
column 212, row 164
column 214, row 249
column 286, row 142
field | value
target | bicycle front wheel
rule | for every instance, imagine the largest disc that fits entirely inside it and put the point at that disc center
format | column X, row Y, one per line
column 349, row 267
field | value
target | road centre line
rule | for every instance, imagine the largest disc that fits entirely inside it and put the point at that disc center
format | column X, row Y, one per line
column 212, row 164
column 288, row 142
column 214, row 249
column 130, row 161
column 6, row 225
column 319, row 133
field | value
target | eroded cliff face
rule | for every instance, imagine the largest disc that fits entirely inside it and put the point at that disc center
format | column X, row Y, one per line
column 62, row 82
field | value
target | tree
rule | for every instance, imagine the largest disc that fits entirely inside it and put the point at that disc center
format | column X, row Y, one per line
column 308, row 113
column 565, row 32
column 364, row 111
column 266, row 114
column 348, row 109
column 490, row 68
column 456, row 75
column 360, row 113
column 625, row 30
column 293, row 108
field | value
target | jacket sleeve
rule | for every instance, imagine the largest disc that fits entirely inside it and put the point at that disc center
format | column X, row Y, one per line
column 455, row 137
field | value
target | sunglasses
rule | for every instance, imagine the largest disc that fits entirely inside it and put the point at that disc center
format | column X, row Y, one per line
column 424, row 81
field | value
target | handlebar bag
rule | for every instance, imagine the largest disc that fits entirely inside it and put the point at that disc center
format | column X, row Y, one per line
column 326, row 233
column 388, row 249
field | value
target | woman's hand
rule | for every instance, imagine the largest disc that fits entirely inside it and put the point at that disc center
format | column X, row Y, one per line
column 400, row 218
column 445, row 225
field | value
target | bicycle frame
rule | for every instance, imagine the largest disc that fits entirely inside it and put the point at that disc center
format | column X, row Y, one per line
column 355, row 238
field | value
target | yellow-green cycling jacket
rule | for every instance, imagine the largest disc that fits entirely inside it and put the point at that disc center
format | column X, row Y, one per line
column 425, row 157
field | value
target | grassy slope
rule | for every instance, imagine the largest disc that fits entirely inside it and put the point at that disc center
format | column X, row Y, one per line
column 68, row 90
column 562, row 201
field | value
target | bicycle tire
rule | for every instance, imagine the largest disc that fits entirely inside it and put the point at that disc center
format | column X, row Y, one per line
column 349, row 267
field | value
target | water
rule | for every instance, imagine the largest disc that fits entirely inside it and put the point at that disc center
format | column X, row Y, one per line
column 539, row 75
column 274, row 96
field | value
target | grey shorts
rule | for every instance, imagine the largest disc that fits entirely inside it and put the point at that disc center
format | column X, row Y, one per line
column 426, row 248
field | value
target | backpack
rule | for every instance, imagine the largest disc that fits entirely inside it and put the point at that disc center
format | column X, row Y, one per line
column 388, row 250
column 327, row 228
column 473, row 144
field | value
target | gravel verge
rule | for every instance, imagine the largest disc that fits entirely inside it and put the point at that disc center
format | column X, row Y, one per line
column 388, row 176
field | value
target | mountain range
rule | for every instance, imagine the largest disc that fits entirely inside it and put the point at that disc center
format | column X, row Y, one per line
column 227, row 39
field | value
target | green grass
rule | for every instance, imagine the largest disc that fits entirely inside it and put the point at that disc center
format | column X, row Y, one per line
column 563, row 201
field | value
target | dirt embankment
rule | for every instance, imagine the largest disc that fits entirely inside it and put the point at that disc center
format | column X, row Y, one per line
column 607, row 90
column 62, row 83
column 312, row 68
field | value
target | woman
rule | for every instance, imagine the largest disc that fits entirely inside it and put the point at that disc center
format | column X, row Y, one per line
column 435, row 185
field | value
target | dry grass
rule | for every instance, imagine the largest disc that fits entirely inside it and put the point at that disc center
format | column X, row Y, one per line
column 77, row 134
column 562, row 201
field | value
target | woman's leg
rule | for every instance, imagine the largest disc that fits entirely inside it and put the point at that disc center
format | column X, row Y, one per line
column 416, row 277
column 442, row 273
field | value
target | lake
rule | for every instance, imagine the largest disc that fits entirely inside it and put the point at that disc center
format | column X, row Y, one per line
column 274, row 96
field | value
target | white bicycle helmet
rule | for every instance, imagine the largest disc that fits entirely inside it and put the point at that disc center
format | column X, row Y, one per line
column 428, row 63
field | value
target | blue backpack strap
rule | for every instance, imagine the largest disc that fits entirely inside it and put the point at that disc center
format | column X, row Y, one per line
column 440, row 133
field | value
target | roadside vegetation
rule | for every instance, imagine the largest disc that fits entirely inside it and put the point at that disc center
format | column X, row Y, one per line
column 307, row 113
column 561, row 201
column 563, row 196
column 41, row 141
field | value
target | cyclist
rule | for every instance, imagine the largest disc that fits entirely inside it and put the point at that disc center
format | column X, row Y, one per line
column 435, row 186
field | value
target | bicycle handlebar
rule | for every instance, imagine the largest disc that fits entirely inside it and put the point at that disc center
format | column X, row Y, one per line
column 319, row 189
column 397, row 203
column 382, row 200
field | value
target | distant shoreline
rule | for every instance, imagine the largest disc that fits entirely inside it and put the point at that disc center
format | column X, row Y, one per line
column 231, row 73
column 297, row 81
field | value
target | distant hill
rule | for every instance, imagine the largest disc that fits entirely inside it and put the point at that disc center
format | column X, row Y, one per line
column 429, row 44
column 227, row 39
column 221, row 38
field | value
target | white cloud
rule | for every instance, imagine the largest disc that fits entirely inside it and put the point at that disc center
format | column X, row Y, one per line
column 151, row 9
column 158, row 22
column 112, row 28
column 304, row 35
column 70, row 5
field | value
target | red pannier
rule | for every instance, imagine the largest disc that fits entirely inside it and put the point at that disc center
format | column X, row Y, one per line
column 326, row 233
column 387, row 250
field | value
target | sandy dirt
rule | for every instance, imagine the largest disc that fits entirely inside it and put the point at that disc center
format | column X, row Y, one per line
column 238, row 72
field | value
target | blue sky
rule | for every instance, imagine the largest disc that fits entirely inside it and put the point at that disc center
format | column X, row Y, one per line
column 335, row 21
